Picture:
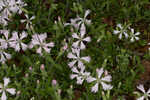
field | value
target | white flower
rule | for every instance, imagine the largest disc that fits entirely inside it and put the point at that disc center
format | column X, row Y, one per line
column 100, row 80
column 3, row 55
column 121, row 31
column 134, row 36
column 76, row 22
column 84, row 20
column 75, row 55
column 4, row 89
column 16, row 41
column 146, row 95
column 80, row 38
column 79, row 75
column 28, row 21
column 39, row 40
column 73, row 22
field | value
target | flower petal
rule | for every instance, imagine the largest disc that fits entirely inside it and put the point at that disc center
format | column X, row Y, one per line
column 11, row 91
column 95, row 88
column 106, row 86
column 3, row 97
column 6, row 81
column 141, row 88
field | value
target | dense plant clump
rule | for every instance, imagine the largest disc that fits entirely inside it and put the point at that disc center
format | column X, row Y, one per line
column 74, row 49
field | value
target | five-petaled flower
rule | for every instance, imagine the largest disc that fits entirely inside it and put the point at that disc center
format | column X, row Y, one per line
column 79, row 43
column 4, row 89
column 121, row 31
column 40, row 40
column 134, row 36
column 16, row 41
column 145, row 95
column 28, row 21
column 79, row 75
column 100, row 80
column 75, row 55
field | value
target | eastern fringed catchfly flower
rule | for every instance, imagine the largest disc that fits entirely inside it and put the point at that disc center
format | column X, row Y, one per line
column 134, row 36
column 145, row 95
column 78, row 21
column 28, row 21
column 79, row 43
column 103, row 80
column 80, row 75
column 4, row 89
column 40, row 41
column 75, row 55
column 121, row 31
column 16, row 41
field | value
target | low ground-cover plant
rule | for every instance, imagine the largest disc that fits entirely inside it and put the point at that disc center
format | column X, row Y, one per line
column 74, row 49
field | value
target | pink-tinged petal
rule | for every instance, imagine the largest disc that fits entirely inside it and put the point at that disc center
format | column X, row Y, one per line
column 3, row 97
column 95, row 88
column 11, row 91
column 75, row 44
column 82, row 46
column 106, row 86
column 39, row 50
column 116, row 31
column 141, row 88
column 74, row 69
column 51, row 44
column 87, row 39
column 71, row 64
column 8, row 56
column 107, row 78
column 17, row 48
column 71, row 56
column 74, row 35
column 87, row 59
column 80, row 64
column 82, row 30
column 42, row 37
column 15, row 36
column 6, row 81
column 100, row 72
column 72, row 76
column 90, row 79
column 141, row 98
column 24, row 46
column 79, row 80
column 47, row 49
column 23, row 35
column 6, row 33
